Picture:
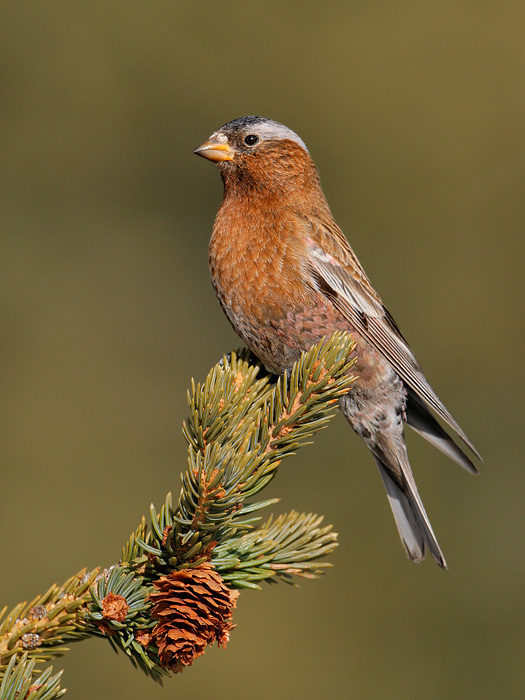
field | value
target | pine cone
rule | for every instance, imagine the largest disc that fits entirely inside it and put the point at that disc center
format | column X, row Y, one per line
column 194, row 608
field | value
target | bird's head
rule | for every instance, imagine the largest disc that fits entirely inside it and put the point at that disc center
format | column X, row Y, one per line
column 260, row 153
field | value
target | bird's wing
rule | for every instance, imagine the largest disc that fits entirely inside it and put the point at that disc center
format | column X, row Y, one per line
column 337, row 273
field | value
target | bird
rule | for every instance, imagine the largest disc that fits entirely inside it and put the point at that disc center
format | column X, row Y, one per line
column 286, row 277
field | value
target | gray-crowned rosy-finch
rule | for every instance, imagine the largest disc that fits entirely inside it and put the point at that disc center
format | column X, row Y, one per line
column 286, row 276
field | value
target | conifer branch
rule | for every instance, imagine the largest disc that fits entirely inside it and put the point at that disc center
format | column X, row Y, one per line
column 174, row 590
column 17, row 682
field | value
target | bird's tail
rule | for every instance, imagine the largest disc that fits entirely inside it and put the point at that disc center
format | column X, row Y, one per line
column 411, row 519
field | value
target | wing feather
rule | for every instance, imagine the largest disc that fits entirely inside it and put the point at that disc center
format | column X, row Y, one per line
column 339, row 275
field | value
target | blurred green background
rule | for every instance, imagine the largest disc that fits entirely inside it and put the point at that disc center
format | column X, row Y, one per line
column 414, row 113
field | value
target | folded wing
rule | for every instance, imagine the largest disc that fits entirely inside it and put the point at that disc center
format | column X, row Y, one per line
column 336, row 272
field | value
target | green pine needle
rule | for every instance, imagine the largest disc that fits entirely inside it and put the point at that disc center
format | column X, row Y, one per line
column 19, row 681
column 281, row 548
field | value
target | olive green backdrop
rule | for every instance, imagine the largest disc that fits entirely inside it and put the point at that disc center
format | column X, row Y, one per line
column 414, row 113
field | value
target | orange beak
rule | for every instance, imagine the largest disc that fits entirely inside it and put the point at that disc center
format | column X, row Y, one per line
column 215, row 151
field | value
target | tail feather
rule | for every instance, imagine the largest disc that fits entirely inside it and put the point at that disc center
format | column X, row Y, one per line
column 419, row 418
column 411, row 519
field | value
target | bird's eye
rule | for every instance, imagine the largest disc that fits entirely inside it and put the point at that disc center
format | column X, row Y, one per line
column 251, row 140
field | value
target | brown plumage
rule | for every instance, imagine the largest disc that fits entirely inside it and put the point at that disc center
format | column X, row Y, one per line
column 286, row 276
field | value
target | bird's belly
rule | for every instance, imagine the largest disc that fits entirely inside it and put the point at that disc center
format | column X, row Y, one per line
column 278, row 335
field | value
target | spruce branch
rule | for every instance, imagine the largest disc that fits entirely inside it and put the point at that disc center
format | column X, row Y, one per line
column 41, row 628
column 174, row 590
column 279, row 549
column 17, row 683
